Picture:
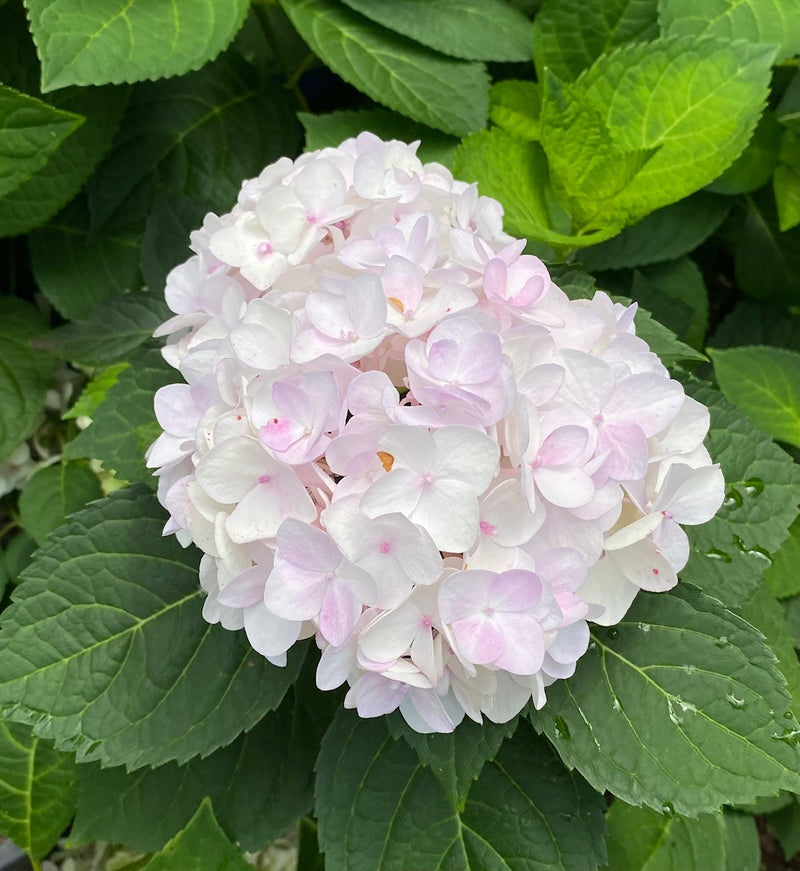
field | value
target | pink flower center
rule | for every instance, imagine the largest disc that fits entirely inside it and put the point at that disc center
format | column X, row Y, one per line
column 263, row 249
column 264, row 479
column 487, row 528
column 385, row 547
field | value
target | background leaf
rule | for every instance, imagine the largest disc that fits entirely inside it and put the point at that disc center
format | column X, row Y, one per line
column 201, row 846
column 678, row 707
column 125, row 425
column 763, row 383
column 441, row 92
column 760, row 21
column 470, row 29
column 50, row 494
column 30, row 131
column 330, row 130
column 595, row 27
column 110, row 41
column 378, row 806
column 77, row 269
column 105, row 650
column 665, row 234
column 200, row 135
column 515, row 106
column 24, row 373
column 37, row 790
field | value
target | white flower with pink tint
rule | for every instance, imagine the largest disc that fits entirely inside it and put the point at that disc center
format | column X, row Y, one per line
column 399, row 436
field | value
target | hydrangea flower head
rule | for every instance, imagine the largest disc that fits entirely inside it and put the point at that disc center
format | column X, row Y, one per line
column 396, row 434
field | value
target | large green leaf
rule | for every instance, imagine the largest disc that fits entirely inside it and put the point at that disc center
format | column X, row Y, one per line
column 112, row 41
column 640, row 839
column 379, row 807
column 199, row 135
column 76, row 269
column 112, row 330
column 782, row 578
column 764, row 383
column 679, row 707
column 24, row 373
column 755, row 165
column 753, row 323
column 515, row 173
column 30, row 131
column 444, row 93
column 37, row 790
column 569, row 35
column 651, row 123
column 515, row 105
column 786, row 181
column 471, row 29
column 261, row 783
column 665, row 234
column 52, row 493
column 105, row 651
column 730, row 553
column 125, row 425
column 760, row 21
column 201, row 846
column 456, row 759
column 330, row 130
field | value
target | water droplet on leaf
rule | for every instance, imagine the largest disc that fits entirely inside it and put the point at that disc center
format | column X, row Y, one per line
column 562, row 729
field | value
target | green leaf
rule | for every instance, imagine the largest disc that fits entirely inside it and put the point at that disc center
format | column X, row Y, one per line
column 456, row 759
column 764, row 383
column 788, row 110
column 330, row 130
column 665, row 234
column 17, row 555
column 444, row 93
column 77, row 269
column 675, row 295
column 105, row 651
column 640, row 839
column 201, row 846
column 30, row 131
column 378, row 806
column 57, row 182
column 569, row 35
column 730, row 553
column 755, row 165
column 782, row 578
column 94, row 393
column 112, row 41
column 24, row 373
column 125, row 425
column 742, row 843
column 165, row 243
column 767, row 261
column 760, row 21
column 52, row 493
column 786, row 825
column 37, row 790
column 786, row 181
column 678, row 707
column 515, row 106
column 757, row 324
column 199, row 135
column 261, row 783
column 661, row 339
column 470, row 29
column 656, row 122
column 111, row 332
column 763, row 611
column 515, row 173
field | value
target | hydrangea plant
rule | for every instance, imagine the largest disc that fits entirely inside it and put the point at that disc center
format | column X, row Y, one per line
column 400, row 431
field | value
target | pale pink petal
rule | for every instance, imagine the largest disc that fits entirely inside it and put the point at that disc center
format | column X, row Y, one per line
column 270, row 635
column 523, row 644
column 566, row 487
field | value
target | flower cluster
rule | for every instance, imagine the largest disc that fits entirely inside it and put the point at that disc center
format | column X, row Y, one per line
column 398, row 435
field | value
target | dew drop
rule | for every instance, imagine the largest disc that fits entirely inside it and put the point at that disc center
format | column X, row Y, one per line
column 734, row 702
column 733, row 499
column 753, row 487
column 675, row 712
column 667, row 808
column 562, row 729
column 789, row 736
column 718, row 554
column 722, row 641
column 613, row 633
column 690, row 669
column 645, row 627
column 788, row 715
column 615, row 705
